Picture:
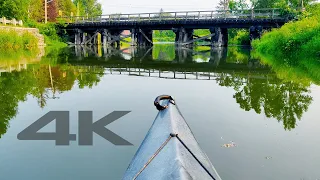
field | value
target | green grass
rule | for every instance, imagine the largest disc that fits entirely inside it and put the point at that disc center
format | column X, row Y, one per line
column 50, row 33
column 12, row 40
column 294, row 39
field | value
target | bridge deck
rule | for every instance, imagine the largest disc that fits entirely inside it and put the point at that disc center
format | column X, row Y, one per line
column 187, row 19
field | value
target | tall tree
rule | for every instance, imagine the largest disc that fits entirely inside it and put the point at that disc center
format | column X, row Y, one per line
column 88, row 7
column 232, row 4
column 67, row 7
column 223, row 5
column 52, row 10
column 293, row 4
column 36, row 10
column 17, row 9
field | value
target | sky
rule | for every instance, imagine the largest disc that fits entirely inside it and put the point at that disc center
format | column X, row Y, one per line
column 140, row 6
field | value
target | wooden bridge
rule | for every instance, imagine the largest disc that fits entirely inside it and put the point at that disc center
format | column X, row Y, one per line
column 85, row 30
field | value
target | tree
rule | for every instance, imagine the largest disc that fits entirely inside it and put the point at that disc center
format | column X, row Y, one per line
column 232, row 5
column 293, row 4
column 223, row 5
column 17, row 9
column 36, row 10
column 88, row 7
column 66, row 7
column 52, row 10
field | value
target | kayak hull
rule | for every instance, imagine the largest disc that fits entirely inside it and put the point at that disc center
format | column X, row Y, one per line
column 164, row 157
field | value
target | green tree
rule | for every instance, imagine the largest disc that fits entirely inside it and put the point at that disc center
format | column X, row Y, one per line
column 232, row 4
column 17, row 9
column 67, row 7
column 36, row 10
column 88, row 7
column 293, row 4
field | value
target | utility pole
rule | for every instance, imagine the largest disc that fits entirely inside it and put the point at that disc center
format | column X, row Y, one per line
column 45, row 12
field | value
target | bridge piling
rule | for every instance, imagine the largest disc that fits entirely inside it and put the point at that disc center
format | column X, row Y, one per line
column 105, row 37
column 255, row 32
column 183, row 36
column 133, row 37
column 141, row 37
column 220, row 38
column 84, row 39
column 77, row 37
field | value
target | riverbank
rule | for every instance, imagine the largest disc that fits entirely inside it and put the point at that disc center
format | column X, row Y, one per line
column 295, row 40
column 14, row 38
column 50, row 33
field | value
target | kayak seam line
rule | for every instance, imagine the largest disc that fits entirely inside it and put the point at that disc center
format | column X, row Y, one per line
column 153, row 156
column 194, row 156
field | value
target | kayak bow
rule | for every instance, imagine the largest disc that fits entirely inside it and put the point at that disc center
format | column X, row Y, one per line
column 169, row 150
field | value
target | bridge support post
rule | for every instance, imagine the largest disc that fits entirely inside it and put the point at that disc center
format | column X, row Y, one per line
column 105, row 37
column 115, row 38
column 77, row 37
column 89, row 37
column 133, row 37
column 183, row 36
column 95, row 40
column 220, row 38
column 143, row 37
column 84, row 38
column 255, row 32
column 109, row 37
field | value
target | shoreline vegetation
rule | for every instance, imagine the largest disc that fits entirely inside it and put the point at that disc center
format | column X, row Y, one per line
column 12, row 40
column 295, row 40
column 31, row 12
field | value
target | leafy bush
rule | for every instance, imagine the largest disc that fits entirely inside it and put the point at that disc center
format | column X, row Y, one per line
column 241, row 37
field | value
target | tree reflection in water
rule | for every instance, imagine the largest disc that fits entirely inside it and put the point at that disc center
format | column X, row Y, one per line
column 256, row 87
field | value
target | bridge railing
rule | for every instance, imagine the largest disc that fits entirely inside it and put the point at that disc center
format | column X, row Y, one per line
column 179, row 16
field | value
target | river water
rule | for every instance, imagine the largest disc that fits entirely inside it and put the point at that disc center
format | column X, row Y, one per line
column 253, row 121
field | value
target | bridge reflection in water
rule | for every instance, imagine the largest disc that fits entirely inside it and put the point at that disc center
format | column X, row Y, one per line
column 168, row 61
column 256, row 87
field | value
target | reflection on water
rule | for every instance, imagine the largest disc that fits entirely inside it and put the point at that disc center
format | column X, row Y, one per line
column 225, row 94
column 16, row 60
column 43, row 82
column 255, row 86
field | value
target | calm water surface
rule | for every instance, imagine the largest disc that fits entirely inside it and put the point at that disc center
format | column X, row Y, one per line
column 226, row 95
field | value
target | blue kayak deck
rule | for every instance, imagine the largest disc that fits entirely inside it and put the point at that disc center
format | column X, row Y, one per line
column 173, row 161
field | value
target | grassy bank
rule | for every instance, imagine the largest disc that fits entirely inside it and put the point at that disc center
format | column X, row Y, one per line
column 50, row 33
column 295, row 39
column 11, row 40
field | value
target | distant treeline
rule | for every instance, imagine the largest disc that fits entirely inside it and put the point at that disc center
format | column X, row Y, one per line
column 33, row 10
